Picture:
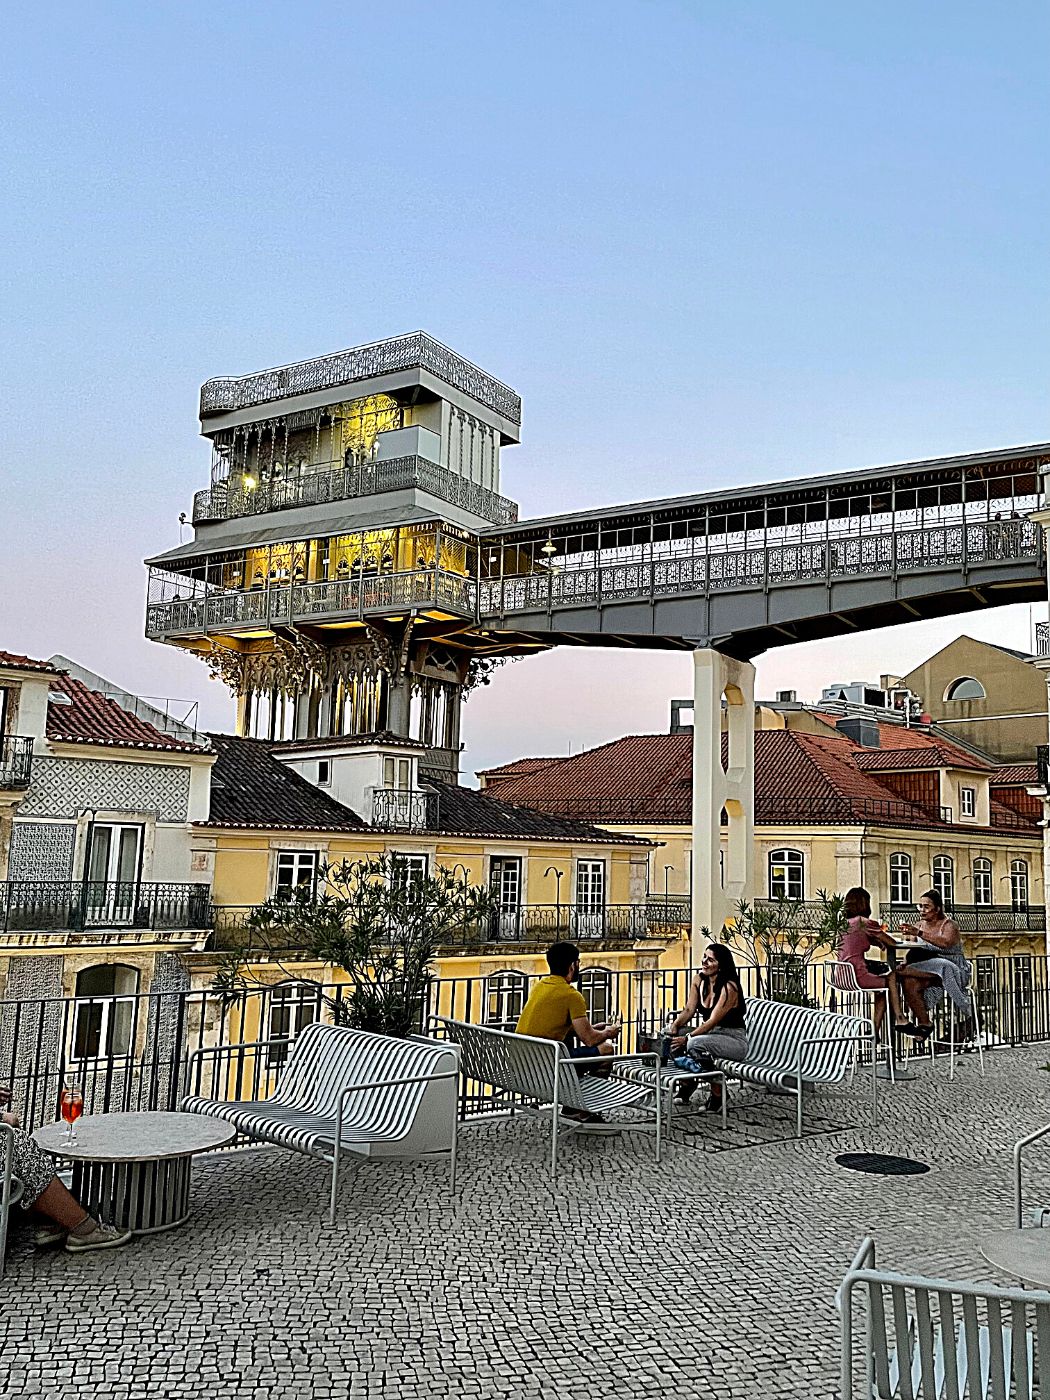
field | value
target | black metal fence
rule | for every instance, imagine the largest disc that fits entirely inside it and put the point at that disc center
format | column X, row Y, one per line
column 53, row 905
column 134, row 1052
column 16, row 761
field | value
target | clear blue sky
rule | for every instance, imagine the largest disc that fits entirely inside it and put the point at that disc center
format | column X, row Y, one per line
column 707, row 242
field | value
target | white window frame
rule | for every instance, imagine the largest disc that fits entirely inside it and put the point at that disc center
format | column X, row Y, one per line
column 324, row 772
column 983, row 893
column 900, row 878
column 302, row 863
column 596, row 986
column 505, row 996
column 792, row 864
column 408, row 867
column 1019, row 886
column 943, row 879
column 108, row 1004
column 967, row 802
column 301, row 1002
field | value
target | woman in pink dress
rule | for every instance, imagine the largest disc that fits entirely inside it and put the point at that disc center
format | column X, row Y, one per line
column 863, row 933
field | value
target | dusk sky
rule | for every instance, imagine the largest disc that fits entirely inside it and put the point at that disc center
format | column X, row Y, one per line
column 708, row 243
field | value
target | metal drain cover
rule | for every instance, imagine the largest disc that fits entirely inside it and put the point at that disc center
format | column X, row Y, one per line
column 881, row 1165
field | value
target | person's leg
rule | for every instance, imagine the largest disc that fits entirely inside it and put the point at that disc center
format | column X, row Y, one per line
column 893, row 991
column 913, row 984
column 61, row 1206
column 723, row 1045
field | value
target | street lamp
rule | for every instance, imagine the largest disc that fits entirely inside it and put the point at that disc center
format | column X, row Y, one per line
column 667, row 870
column 553, row 870
column 466, row 873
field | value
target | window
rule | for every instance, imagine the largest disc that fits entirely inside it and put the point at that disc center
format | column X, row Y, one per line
column 408, row 870
column 293, row 1005
column 505, row 884
column 104, row 1012
column 295, row 869
column 982, row 881
column 113, row 872
column 505, row 995
column 900, row 878
column 944, row 879
column 590, row 884
column 397, row 773
column 324, row 772
column 1019, row 884
column 595, row 984
column 965, row 688
column 787, row 978
column 968, row 801
column 786, row 875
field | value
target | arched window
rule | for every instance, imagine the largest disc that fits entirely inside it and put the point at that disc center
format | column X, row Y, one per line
column 965, row 688
column 786, row 874
column 1019, row 884
column 293, row 1005
column 505, row 995
column 944, row 879
column 596, row 985
column 982, row 881
column 104, row 1011
column 900, row 878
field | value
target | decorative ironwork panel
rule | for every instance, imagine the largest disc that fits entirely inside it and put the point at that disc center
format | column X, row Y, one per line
column 393, row 810
column 16, row 761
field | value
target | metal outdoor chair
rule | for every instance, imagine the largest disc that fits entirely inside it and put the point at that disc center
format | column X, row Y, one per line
column 939, row 1339
column 842, row 980
column 1040, row 1214
column 10, row 1188
column 975, row 1016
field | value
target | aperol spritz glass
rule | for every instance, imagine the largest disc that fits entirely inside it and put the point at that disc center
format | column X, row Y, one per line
column 71, row 1103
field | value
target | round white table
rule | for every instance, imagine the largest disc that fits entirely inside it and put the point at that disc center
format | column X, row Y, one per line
column 1023, row 1253
column 133, row 1169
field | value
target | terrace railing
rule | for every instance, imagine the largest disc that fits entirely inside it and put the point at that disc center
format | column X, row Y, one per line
column 131, row 1052
column 394, row 810
column 44, row 906
column 971, row 918
column 16, row 761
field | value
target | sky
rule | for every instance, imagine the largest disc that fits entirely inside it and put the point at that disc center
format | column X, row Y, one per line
column 708, row 243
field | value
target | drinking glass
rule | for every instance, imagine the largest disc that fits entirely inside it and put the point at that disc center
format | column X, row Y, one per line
column 72, row 1105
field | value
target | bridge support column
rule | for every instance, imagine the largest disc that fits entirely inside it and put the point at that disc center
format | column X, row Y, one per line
column 732, row 788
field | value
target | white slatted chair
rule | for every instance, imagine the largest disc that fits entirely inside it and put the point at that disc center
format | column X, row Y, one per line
column 542, row 1073
column 855, row 1000
column 1040, row 1214
column 790, row 1047
column 10, row 1188
column 938, row 1339
column 348, row 1091
column 950, row 1017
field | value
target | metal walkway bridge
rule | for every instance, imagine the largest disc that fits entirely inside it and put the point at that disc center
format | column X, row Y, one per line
column 757, row 567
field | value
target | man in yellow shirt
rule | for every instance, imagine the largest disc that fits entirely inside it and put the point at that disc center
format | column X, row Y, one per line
column 555, row 1007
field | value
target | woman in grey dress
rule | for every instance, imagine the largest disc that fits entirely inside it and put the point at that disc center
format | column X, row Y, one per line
column 937, row 965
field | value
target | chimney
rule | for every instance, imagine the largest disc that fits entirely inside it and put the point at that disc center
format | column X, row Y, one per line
column 786, row 697
column 863, row 732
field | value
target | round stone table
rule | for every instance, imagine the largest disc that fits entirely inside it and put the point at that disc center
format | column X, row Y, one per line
column 1023, row 1253
column 133, row 1169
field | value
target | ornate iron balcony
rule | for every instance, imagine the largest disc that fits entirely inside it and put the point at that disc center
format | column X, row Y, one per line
column 227, row 500
column 74, row 905
column 394, row 810
column 415, row 351
column 1042, row 639
column 16, row 761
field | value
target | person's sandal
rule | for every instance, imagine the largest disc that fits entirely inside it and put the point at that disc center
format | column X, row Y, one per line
column 922, row 1032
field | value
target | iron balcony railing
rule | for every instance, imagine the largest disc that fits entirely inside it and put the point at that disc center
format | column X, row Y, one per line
column 42, row 906
column 131, row 1052
column 971, row 918
column 16, row 761
column 394, row 810
column 1042, row 639
column 228, row 499
column 1042, row 764
column 222, row 610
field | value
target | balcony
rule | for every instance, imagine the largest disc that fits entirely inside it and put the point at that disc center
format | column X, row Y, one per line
column 1042, row 639
column 395, row 810
column 227, row 500
column 73, row 906
column 16, row 762
column 262, row 608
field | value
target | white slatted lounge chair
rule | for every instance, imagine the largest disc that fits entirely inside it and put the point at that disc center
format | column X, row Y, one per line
column 542, row 1073
column 792, row 1047
column 938, row 1339
column 348, row 1091
column 10, row 1190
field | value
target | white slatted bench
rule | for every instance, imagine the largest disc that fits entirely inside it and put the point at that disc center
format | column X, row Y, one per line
column 348, row 1091
column 937, row 1339
column 543, row 1074
column 792, row 1047
column 10, row 1188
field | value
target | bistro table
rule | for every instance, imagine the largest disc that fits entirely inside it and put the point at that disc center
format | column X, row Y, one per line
column 133, row 1169
column 1023, row 1253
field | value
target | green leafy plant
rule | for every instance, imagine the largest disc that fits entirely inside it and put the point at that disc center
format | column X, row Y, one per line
column 381, row 924
column 783, row 938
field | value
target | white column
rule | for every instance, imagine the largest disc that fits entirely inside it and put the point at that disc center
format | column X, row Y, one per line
column 716, row 676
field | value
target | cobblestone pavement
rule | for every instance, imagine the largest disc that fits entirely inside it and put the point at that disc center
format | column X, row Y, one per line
column 711, row 1275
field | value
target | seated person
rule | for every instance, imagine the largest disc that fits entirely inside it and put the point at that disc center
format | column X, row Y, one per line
column 935, row 966
column 863, row 933
column 555, row 1008
column 44, row 1193
column 717, row 996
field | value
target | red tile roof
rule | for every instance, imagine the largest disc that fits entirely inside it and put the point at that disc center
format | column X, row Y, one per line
column 13, row 661
column 517, row 767
column 1015, row 775
column 799, row 779
column 94, row 718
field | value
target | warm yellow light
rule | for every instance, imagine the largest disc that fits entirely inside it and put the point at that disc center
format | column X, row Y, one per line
column 250, row 483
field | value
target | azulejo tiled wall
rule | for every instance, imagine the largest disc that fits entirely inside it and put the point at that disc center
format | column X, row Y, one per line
column 42, row 851
column 62, row 787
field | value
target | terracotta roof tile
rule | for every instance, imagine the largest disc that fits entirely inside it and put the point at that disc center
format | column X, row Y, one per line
column 16, row 662
column 1015, row 775
column 93, row 718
